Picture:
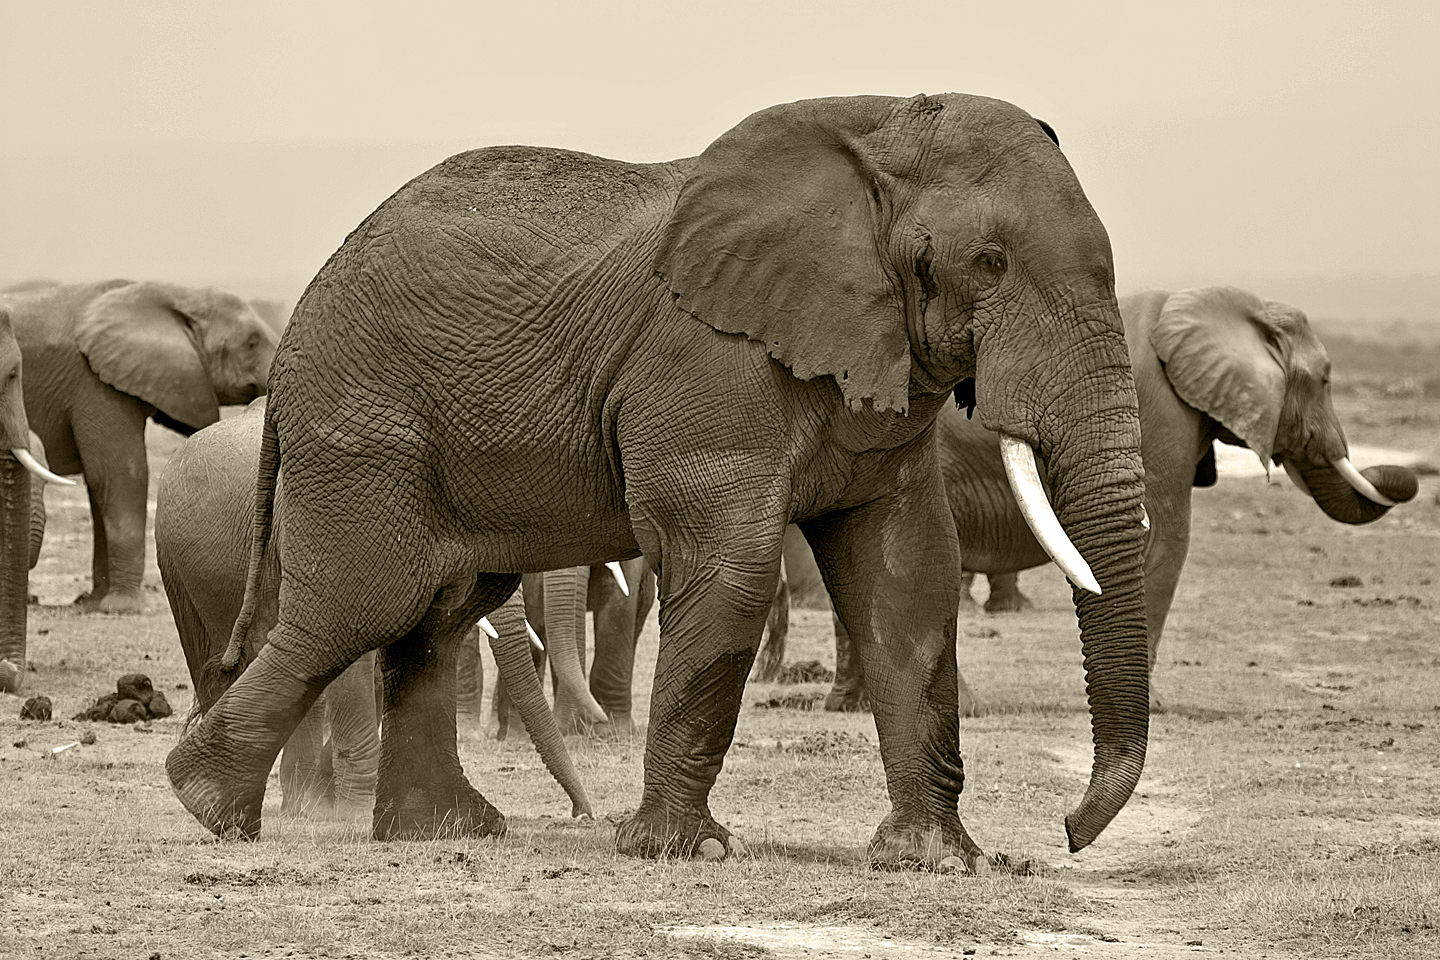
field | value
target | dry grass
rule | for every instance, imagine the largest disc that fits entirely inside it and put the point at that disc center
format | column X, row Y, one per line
column 1291, row 803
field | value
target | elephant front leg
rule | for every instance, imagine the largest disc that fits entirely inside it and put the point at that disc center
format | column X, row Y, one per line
column 714, row 599
column 893, row 570
column 117, row 513
column 422, row 792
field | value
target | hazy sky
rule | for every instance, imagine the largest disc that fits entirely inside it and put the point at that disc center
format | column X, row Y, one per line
column 238, row 142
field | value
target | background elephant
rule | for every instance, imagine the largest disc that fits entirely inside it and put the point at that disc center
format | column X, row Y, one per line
column 556, row 603
column 1217, row 363
column 22, row 509
column 552, row 599
column 100, row 359
column 203, row 518
column 529, row 358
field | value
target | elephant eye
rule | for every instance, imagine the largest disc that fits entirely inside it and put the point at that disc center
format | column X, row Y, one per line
column 990, row 266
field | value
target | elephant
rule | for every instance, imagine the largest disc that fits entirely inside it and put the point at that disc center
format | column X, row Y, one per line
column 556, row 602
column 530, row 358
column 101, row 358
column 1216, row 363
column 23, row 474
column 203, row 516
column 621, row 605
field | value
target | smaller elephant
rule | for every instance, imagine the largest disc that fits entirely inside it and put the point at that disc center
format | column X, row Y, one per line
column 620, row 595
column 1217, row 363
column 102, row 358
column 203, row 516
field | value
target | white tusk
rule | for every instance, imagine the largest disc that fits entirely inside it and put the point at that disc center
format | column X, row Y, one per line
column 490, row 631
column 614, row 568
column 33, row 465
column 1356, row 479
column 534, row 637
column 1293, row 472
column 1144, row 518
column 1029, row 492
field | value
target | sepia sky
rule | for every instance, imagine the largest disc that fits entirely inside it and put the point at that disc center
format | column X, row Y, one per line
column 238, row 141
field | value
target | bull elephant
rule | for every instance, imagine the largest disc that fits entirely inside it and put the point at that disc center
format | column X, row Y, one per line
column 529, row 358
column 100, row 359
column 203, row 516
column 1217, row 363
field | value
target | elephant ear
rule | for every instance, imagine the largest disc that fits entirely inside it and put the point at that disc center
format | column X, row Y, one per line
column 1221, row 355
column 777, row 235
column 141, row 340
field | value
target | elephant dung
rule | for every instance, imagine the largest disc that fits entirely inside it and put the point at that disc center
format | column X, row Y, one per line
column 36, row 708
column 135, row 699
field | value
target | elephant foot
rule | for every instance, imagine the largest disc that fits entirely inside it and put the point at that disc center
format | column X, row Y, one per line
column 926, row 845
column 228, row 811
column 655, row 832
column 846, row 701
column 1015, row 602
column 620, row 726
column 420, row 814
column 113, row 601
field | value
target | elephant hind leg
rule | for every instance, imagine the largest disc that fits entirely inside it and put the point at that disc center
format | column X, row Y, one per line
column 422, row 791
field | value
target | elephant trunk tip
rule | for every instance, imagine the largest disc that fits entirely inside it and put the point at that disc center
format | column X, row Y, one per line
column 1117, row 772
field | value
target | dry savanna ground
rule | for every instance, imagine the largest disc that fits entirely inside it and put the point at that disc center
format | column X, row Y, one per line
column 1290, row 805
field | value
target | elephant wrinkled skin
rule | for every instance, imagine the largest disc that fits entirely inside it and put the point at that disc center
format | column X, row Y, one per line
column 530, row 358
column 100, row 359
column 203, row 518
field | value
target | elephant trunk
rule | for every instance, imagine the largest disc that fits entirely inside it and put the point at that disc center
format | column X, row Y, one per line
column 566, row 595
column 1092, row 453
column 511, row 648
column 14, row 570
column 1340, row 499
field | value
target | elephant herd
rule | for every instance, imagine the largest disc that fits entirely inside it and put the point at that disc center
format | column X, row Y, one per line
column 889, row 322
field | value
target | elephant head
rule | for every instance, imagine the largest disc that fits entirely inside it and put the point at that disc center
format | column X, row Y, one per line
column 1256, row 367
column 186, row 351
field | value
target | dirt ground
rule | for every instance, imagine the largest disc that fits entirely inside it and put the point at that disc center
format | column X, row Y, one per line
column 1290, row 805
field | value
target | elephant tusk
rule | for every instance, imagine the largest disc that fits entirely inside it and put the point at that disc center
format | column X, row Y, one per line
column 33, row 465
column 1364, row 487
column 534, row 637
column 1144, row 518
column 614, row 568
column 1293, row 472
column 484, row 624
column 1029, row 492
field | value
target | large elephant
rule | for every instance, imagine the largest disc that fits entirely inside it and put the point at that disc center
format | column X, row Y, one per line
column 22, row 509
column 100, row 359
column 204, row 510
column 1217, row 363
column 529, row 358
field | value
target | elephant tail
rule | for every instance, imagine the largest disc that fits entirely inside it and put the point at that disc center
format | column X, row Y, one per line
column 266, row 480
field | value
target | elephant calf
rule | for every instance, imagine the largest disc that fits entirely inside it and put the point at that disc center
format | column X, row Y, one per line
column 203, row 515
